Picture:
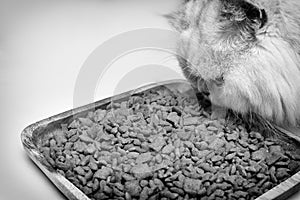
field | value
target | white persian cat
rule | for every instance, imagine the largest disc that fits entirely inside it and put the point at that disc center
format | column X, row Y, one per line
column 245, row 53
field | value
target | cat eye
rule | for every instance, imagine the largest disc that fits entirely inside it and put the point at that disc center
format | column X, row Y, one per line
column 243, row 10
column 263, row 18
column 255, row 14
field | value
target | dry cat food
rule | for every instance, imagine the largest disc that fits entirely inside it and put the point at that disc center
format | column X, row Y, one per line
column 161, row 144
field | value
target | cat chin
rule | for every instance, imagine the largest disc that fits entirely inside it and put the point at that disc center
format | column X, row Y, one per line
column 265, row 81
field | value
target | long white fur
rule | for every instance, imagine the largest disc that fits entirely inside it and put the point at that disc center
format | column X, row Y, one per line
column 268, row 83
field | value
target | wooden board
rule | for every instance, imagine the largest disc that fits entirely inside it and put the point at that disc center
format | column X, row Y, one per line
column 31, row 134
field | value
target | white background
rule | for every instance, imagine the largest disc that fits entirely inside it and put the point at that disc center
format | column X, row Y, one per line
column 43, row 45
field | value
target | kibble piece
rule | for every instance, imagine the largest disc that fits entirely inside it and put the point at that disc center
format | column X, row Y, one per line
column 79, row 146
column 241, row 170
column 79, row 170
column 251, row 168
column 219, row 193
column 144, row 157
column 240, row 194
column 68, row 146
column 74, row 138
column 233, row 169
column 256, row 135
column 85, row 160
column 87, row 190
column 201, row 145
column 85, row 138
column 173, row 118
column 93, row 165
column 99, row 115
column 273, row 158
column 252, row 147
column 168, row 149
column 183, row 135
column 144, row 183
column 206, row 167
column 282, row 173
column 100, row 195
column 260, row 154
column 88, row 175
column 158, row 143
column 74, row 124
column 158, row 183
column 217, row 158
column 203, row 153
column 141, row 171
column 123, row 129
column 232, row 136
column 86, row 121
column 107, row 189
column 230, row 156
column 133, row 155
column 212, row 128
column 191, row 121
column 144, row 195
column 216, row 144
column 141, row 137
column 94, row 131
column 117, row 192
column 133, row 188
column 158, row 158
column 103, row 173
column 293, row 166
column 95, row 185
column 59, row 137
column 169, row 195
column 275, row 149
column 192, row 186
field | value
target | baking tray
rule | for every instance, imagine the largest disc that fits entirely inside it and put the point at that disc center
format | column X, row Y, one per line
column 34, row 132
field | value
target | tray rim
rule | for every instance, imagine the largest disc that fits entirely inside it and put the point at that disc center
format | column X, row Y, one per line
column 279, row 192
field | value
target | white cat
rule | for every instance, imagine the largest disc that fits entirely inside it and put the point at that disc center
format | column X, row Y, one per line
column 246, row 53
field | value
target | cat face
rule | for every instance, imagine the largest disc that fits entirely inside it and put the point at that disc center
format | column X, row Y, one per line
column 215, row 31
column 223, row 14
column 246, row 52
column 221, row 32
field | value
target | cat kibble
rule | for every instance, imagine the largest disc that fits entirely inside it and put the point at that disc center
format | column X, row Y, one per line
column 160, row 144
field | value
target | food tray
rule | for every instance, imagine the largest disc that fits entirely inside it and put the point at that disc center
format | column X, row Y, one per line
column 32, row 134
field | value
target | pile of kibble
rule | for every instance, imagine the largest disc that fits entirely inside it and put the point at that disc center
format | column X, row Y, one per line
column 161, row 144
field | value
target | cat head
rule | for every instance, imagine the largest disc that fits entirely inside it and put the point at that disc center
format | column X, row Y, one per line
column 216, row 21
column 221, row 31
column 246, row 51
